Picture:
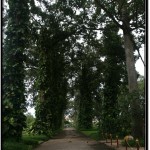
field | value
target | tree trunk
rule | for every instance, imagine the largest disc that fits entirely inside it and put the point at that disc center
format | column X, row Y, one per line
column 130, row 63
column 125, row 17
column 132, row 75
column 132, row 86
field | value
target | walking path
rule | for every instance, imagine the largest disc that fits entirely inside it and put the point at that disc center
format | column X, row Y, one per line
column 69, row 139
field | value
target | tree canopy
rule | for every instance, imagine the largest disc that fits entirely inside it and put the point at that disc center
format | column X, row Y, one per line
column 60, row 52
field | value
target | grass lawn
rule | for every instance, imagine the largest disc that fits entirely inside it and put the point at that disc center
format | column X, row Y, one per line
column 93, row 134
column 28, row 142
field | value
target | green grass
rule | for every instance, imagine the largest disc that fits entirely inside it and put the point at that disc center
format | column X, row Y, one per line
column 93, row 134
column 9, row 145
column 28, row 142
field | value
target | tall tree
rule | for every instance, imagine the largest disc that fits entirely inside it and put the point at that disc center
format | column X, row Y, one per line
column 13, row 89
column 128, row 16
column 114, row 68
column 52, row 83
column 85, row 105
column 52, row 45
column 86, row 83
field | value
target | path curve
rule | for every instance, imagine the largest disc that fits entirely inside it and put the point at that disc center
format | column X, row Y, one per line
column 70, row 139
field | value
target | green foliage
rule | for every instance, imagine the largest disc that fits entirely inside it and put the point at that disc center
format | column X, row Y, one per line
column 15, row 43
column 93, row 134
column 30, row 119
column 141, row 88
column 42, row 124
column 28, row 142
column 125, row 101
column 16, row 146
column 113, row 72
column 34, row 139
column 85, row 105
column 122, row 13
column 29, row 123
column 60, row 45
column 137, row 114
column 51, row 81
column 124, row 109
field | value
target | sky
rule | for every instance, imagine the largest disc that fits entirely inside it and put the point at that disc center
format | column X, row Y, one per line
column 139, row 66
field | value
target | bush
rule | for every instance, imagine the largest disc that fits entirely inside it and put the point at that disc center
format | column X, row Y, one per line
column 28, row 142
column 10, row 145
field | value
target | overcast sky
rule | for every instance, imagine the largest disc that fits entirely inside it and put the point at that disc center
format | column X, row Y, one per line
column 139, row 64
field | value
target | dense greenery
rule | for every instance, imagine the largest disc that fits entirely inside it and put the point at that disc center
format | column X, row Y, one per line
column 113, row 74
column 13, row 89
column 29, row 124
column 52, row 85
column 93, row 134
column 27, row 142
column 85, row 104
column 63, row 54
column 129, row 17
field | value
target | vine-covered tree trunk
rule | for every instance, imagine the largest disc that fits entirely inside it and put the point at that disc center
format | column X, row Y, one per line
column 113, row 71
column 13, row 89
column 51, row 83
column 85, row 101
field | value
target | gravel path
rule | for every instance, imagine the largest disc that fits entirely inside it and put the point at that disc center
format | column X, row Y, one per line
column 69, row 139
